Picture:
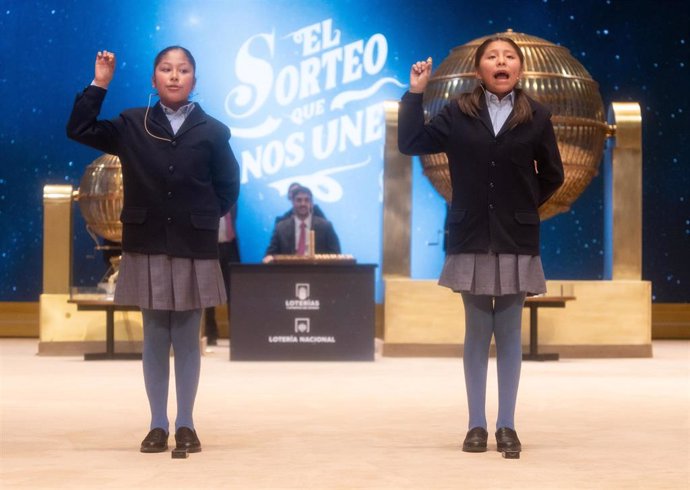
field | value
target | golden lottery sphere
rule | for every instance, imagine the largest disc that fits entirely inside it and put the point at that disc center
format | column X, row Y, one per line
column 551, row 76
column 100, row 197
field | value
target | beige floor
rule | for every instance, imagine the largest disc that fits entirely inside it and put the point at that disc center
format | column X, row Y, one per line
column 391, row 424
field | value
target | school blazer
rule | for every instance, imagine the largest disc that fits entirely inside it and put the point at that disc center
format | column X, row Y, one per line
column 496, row 189
column 283, row 238
column 174, row 191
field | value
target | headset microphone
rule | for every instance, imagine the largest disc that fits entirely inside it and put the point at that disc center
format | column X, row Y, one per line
column 146, row 116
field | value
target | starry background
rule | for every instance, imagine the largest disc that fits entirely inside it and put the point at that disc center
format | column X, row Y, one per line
column 636, row 50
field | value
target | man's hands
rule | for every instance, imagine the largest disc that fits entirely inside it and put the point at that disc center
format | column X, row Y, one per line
column 105, row 69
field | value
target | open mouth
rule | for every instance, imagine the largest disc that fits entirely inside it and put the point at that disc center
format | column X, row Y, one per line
column 501, row 75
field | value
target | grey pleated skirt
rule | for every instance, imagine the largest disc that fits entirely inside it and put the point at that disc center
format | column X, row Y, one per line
column 159, row 282
column 493, row 274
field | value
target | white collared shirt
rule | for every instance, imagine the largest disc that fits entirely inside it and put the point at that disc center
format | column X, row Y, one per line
column 499, row 110
column 177, row 117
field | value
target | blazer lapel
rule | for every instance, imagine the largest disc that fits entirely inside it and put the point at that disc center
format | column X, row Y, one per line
column 158, row 119
column 506, row 124
column 195, row 118
column 291, row 236
column 484, row 116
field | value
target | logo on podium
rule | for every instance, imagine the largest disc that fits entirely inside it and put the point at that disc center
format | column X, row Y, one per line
column 302, row 325
column 302, row 291
column 302, row 300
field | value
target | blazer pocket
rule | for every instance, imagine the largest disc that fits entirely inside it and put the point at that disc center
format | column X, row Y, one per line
column 527, row 218
column 134, row 216
column 204, row 221
column 456, row 215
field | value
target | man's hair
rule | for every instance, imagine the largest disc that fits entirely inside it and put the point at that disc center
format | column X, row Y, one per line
column 291, row 190
column 300, row 189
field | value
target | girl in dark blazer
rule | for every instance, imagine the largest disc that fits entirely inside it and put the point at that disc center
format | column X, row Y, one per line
column 179, row 177
column 504, row 163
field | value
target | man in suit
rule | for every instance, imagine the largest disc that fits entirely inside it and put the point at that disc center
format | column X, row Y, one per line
column 315, row 210
column 291, row 235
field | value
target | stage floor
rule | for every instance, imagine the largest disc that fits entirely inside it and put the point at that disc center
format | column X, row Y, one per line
column 396, row 423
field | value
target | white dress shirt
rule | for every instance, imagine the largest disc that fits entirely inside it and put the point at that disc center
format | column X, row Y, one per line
column 499, row 110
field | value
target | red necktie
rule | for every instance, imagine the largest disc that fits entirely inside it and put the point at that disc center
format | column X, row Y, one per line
column 229, row 227
column 302, row 240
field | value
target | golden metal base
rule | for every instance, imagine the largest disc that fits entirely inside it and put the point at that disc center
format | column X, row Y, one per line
column 608, row 319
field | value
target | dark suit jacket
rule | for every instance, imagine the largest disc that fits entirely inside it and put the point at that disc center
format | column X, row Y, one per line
column 174, row 191
column 496, row 191
column 283, row 239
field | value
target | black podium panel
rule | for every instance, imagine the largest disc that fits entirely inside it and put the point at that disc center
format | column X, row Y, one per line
column 302, row 312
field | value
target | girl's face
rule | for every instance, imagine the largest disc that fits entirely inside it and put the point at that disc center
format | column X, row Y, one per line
column 499, row 68
column 174, row 79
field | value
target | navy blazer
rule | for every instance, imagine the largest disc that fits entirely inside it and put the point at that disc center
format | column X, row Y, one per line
column 175, row 191
column 283, row 238
column 496, row 189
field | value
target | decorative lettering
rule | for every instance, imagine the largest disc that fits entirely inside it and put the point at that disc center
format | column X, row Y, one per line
column 308, row 99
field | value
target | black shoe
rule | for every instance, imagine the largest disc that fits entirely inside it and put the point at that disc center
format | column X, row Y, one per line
column 475, row 440
column 155, row 442
column 186, row 438
column 507, row 441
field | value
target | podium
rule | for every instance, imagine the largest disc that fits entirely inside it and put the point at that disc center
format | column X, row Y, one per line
column 302, row 312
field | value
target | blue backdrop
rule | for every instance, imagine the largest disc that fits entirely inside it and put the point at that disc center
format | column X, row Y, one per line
column 301, row 85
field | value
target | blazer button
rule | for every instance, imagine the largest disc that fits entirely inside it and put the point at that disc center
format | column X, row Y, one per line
column 493, row 164
column 491, row 184
column 171, row 168
column 491, row 206
column 170, row 220
column 169, row 194
column 173, row 143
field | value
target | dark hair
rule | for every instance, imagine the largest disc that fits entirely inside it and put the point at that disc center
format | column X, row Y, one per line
column 165, row 51
column 470, row 102
column 291, row 189
column 300, row 189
